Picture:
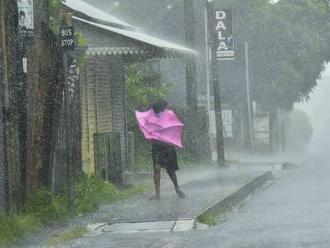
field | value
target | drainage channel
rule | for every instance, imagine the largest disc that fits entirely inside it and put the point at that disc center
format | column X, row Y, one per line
column 180, row 225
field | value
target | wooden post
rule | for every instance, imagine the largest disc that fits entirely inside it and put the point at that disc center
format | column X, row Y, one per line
column 67, row 134
column 67, row 18
column 9, row 43
column 3, row 81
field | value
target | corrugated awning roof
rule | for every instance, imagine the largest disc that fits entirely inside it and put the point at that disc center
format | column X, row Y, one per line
column 144, row 38
column 145, row 44
column 95, row 13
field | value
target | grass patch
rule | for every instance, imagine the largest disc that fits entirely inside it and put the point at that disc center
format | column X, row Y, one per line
column 127, row 193
column 92, row 191
column 217, row 215
column 42, row 208
column 45, row 207
column 68, row 235
column 12, row 228
column 208, row 219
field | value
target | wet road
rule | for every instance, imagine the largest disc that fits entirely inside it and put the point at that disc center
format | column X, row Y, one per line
column 292, row 213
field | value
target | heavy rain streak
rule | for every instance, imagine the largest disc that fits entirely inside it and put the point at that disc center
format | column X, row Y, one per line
column 165, row 123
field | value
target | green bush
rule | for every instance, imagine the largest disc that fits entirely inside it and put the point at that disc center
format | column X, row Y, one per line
column 45, row 207
column 207, row 219
column 91, row 192
column 13, row 228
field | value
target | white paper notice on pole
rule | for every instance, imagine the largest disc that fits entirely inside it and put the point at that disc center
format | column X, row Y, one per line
column 227, row 123
column 25, row 15
column 261, row 126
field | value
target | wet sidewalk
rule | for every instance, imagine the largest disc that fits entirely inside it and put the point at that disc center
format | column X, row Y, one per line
column 204, row 187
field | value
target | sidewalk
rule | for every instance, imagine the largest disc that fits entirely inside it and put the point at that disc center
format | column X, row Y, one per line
column 265, row 159
column 204, row 187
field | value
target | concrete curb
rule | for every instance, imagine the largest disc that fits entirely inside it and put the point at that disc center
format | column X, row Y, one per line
column 238, row 196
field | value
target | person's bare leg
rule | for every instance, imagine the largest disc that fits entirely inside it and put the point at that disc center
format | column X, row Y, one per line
column 174, row 179
column 156, row 183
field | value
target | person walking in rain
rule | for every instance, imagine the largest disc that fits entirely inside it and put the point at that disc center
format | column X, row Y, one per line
column 163, row 145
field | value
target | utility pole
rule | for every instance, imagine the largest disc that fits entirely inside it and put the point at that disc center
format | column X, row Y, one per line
column 68, row 44
column 3, row 78
column 216, row 90
column 22, row 110
column 208, row 85
column 9, row 45
column 191, row 74
column 69, row 169
column 248, row 100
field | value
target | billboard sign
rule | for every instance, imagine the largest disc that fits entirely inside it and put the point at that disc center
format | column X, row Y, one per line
column 222, row 33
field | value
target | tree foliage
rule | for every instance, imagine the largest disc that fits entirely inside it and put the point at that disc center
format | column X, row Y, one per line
column 54, row 8
column 299, row 131
column 143, row 85
column 288, row 44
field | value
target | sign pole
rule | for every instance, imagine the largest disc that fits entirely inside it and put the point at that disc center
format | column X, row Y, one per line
column 67, row 44
column 208, row 85
column 216, row 90
column 22, row 95
column 26, row 27
column 248, row 98
column 67, row 126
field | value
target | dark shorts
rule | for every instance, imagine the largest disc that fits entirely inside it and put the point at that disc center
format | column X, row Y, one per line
column 164, row 155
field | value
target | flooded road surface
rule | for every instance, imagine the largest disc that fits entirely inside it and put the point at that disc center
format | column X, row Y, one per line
column 295, row 212
column 292, row 213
